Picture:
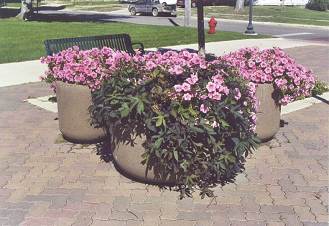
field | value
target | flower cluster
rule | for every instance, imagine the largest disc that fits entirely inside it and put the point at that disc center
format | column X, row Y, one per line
column 174, row 62
column 290, row 80
column 84, row 67
column 194, row 80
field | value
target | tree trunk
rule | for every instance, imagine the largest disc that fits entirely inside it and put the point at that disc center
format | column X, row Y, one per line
column 187, row 13
column 239, row 5
column 26, row 9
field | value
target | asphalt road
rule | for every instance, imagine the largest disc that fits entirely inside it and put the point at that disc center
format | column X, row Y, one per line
column 309, row 33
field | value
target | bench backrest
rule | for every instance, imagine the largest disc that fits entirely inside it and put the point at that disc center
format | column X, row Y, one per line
column 117, row 41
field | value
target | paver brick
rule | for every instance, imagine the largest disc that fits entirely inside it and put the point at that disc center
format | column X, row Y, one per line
column 193, row 216
column 84, row 218
column 304, row 213
column 276, row 209
column 316, row 206
column 274, row 223
column 322, row 218
column 54, row 183
column 178, row 222
column 315, row 224
column 126, row 215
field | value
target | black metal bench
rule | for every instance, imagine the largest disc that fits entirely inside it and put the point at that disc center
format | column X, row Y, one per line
column 117, row 41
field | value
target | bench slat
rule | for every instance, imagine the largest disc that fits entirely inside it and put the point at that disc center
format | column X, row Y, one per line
column 117, row 41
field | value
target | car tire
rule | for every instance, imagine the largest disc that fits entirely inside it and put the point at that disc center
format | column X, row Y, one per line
column 155, row 12
column 133, row 11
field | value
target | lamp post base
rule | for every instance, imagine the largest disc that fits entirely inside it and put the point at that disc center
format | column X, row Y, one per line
column 250, row 33
column 250, row 30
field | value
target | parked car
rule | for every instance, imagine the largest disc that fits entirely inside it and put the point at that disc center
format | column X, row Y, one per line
column 153, row 7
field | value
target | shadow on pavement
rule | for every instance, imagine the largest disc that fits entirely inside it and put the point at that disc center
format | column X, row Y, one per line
column 8, row 12
column 75, row 17
column 45, row 8
column 321, row 99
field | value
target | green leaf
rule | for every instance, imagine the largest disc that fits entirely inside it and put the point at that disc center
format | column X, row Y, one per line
column 158, row 142
column 196, row 129
column 175, row 154
column 173, row 112
column 140, row 107
column 124, row 110
column 159, row 121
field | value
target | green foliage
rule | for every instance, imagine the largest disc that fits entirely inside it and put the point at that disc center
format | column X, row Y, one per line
column 320, row 88
column 319, row 5
column 179, row 139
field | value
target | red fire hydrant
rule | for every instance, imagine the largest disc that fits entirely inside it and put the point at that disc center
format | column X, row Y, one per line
column 212, row 25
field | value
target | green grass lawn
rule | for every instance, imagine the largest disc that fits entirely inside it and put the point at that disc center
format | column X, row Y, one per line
column 20, row 41
column 14, row 4
column 286, row 14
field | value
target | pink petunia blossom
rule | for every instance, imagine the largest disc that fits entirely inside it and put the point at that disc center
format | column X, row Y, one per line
column 211, row 87
column 204, row 109
column 187, row 96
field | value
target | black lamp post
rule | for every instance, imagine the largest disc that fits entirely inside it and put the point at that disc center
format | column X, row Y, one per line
column 250, row 27
column 201, row 36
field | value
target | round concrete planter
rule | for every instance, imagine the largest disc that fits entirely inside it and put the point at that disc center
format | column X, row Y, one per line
column 268, row 114
column 73, row 102
column 127, row 159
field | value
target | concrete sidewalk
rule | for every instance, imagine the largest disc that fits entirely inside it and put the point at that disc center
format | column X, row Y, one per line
column 30, row 71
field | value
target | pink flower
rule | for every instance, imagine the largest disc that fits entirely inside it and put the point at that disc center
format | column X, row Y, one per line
column 211, row 87
column 203, row 97
column 251, row 63
column 268, row 70
column 178, row 88
column 186, row 87
column 272, row 66
column 193, row 79
column 226, row 90
column 187, row 96
column 204, row 109
column 237, row 94
column 214, row 124
column 263, row 65
column 216, row 96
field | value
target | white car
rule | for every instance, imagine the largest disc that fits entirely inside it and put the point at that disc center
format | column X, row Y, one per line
column 154, row 7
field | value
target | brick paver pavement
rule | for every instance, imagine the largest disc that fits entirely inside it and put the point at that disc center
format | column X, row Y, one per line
column 44, row 181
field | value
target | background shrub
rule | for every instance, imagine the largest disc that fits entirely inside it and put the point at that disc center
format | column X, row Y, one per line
column 320, row 88
column 319, row 5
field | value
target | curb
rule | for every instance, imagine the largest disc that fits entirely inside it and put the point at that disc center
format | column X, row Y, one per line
column 269, row 23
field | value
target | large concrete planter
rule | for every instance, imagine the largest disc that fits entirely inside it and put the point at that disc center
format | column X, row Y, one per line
column 268, row 114
column 127, row 159
column 73, row 102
